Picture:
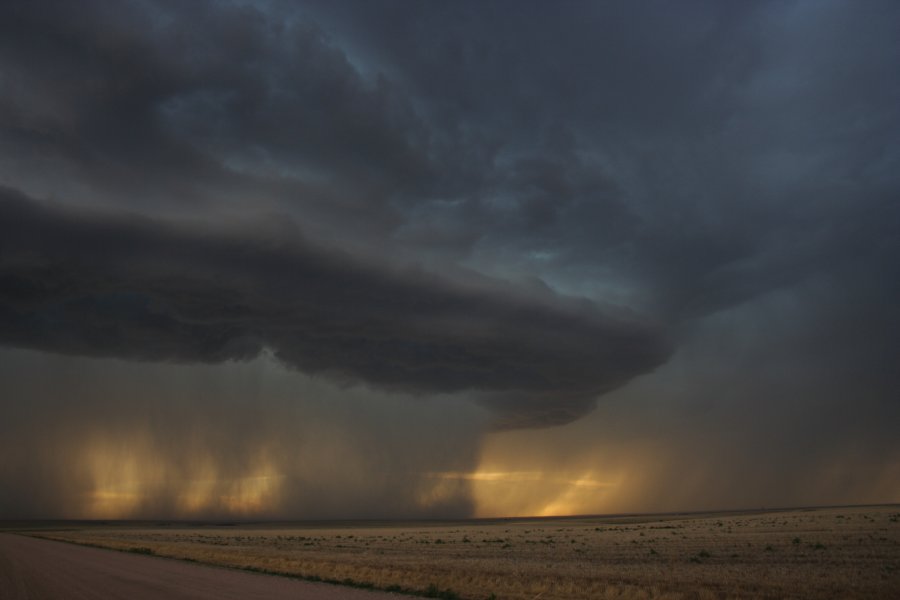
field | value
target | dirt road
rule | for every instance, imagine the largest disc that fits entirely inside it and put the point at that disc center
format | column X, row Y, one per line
column 32, row 569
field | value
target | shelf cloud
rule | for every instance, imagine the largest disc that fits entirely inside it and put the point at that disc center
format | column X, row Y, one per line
column 95, row 284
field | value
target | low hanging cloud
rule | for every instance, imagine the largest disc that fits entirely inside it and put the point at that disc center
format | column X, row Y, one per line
column 116, row 285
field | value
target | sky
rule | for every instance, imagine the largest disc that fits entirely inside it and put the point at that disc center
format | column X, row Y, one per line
column 398, row 259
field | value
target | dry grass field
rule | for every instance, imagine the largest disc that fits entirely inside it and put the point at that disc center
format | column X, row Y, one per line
column 811, row 553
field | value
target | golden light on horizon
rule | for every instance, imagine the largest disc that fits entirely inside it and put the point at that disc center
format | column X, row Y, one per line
column 251, row 495
column 535, row 473
column 133, row 476
column 532, row 493
column 578, row 496
column 118, row 477
column 130, row 479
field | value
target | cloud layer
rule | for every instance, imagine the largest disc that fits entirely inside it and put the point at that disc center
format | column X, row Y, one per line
column 687, row 212
column 133, row 288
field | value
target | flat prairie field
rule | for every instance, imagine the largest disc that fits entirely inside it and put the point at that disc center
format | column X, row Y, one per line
column 851, row 552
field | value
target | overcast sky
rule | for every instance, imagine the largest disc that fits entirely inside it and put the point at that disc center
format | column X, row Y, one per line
column 414, row 259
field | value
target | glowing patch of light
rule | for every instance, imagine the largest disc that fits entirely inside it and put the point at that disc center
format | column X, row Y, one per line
column 118, row 478
column 125, row 479
column 249, row 495
column 532, row 493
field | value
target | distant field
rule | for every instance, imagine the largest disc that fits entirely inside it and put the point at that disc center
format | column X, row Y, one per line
column 823, row 553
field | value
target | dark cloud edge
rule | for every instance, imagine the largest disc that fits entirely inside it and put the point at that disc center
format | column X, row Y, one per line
column 131, row 287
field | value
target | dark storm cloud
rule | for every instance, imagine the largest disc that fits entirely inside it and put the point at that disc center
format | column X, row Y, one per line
column 728, row 170
column 130, row 287
column 680, row 162
column 699, row 157
column 258, row 109
column 562, row 144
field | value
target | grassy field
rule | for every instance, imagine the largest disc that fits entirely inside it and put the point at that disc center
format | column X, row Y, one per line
column 835, row 553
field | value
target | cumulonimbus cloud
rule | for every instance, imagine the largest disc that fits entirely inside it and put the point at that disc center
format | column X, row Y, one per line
column 118, row 285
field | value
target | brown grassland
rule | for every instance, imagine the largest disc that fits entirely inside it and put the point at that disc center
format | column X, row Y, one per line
column 851, row 552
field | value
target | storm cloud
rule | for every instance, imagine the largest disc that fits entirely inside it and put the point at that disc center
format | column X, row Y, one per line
column 126, row 287
column 672, row 232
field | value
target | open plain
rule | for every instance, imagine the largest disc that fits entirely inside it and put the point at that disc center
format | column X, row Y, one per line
column 851, row 552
